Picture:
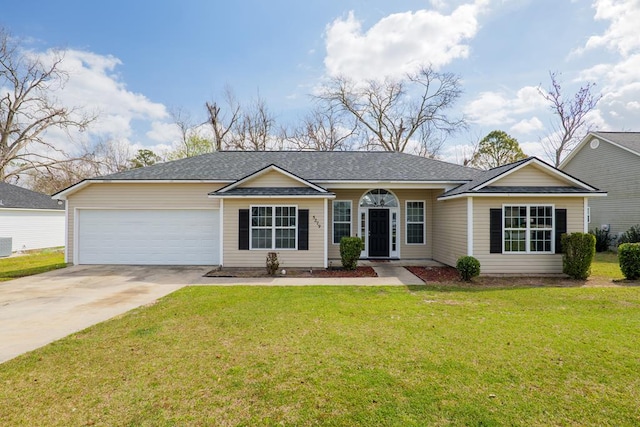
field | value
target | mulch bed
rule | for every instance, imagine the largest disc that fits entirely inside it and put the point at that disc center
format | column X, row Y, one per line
column 435, row 274
column 293, row 272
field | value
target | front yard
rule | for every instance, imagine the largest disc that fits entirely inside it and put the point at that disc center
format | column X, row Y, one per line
column 29, row 264
column 343, row 356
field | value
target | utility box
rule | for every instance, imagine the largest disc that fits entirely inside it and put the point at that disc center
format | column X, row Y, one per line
column 5, row 246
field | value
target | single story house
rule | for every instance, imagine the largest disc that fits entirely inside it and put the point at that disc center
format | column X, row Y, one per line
column 231, row 208
column 33, row 220
column 610, row 161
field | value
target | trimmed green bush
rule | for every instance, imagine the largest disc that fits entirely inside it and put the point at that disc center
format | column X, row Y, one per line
column 578, row 250
column 603, row 239
column 632, row 235
column 629, row 258
column 350, row 250
column 468, row 267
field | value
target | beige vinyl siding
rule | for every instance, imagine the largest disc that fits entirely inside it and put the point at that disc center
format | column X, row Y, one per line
column 354, row 196
column 138, row 196
column 528, row 176
column 450, row 231
column 615, row 171
column 520, row 263
column 314, row 257
column 406, row 251
column 417, row 251
column 273, row 179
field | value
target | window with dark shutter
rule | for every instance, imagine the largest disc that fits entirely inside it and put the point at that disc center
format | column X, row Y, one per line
column 561, row 228
column 243, row 229
column 495, row 231
column 303, row 229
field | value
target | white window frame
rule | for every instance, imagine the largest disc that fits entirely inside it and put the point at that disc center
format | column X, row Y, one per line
column 423, row 222
column 528, row 229
column 334, row 222
column 273, row 228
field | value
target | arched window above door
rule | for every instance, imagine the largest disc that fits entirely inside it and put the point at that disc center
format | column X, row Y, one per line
column 379, row 198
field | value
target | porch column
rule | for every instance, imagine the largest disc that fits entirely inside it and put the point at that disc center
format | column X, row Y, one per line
column 470, row 226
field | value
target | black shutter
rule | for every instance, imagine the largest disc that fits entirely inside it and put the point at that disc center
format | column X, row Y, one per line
column 495, row 231
column 303, row 229
column 561, row 228
column 243, row 229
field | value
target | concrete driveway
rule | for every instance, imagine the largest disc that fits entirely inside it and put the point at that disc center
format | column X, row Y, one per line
column 37, row 310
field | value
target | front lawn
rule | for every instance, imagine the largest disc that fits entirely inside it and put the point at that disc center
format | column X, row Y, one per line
column 606, row 265
column 343, row 356
column 29, row 264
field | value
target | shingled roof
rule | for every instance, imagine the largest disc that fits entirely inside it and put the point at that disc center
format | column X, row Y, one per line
column 229, row 166
column 628, row 140
column 14, row 197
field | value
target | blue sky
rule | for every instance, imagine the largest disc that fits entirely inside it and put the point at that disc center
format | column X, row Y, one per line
column 134, row 61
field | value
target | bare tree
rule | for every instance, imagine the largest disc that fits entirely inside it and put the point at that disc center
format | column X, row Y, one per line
column 191, row 143
column 571, row 125
column 323, row 129
column 253, row 129
column 429, row 143
column 392, row 111
column 222, row 123
column 28, row 109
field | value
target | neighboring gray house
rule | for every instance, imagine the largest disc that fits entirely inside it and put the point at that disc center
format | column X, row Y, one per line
column 609, row 161
column 32, row 220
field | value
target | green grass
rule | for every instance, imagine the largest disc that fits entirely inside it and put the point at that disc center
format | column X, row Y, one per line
column 387, row 356
column 606, row 265
column 30, row 264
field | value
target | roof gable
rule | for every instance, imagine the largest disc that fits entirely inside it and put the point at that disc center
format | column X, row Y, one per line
column 628, row 141
column 14, row 197
column 503, row 179
column 260, row 179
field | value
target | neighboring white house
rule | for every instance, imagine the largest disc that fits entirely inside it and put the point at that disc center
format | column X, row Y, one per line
column 32, row 220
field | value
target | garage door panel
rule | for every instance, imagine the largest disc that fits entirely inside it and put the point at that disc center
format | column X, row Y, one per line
column 180, row 237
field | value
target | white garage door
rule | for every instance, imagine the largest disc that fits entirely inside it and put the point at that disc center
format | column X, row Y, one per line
column 152, row 237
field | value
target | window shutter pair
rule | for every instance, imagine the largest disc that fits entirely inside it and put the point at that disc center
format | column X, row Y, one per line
column 495, row 229
column 243, row 229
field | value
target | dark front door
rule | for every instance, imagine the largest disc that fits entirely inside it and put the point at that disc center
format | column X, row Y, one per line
column 378, row 232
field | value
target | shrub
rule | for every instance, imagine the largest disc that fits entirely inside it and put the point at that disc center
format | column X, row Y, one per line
column 632, row 235
column 603, row 239
column 468, row 267
column 350, row 250
column 629, row 258
column 272, row 263
column 578, row 252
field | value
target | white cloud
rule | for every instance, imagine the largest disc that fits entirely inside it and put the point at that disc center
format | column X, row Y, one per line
column 163, row 132
column 94, row 88
column 622, row 35
column 527, row 126
column 499, row 108
column 400, row 42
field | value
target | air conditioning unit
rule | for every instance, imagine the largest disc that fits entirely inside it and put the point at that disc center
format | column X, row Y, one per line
column 5, row 246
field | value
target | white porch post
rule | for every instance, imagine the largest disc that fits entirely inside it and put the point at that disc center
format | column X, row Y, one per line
column 326, row 233
column 470, row 226
column 221, row 232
